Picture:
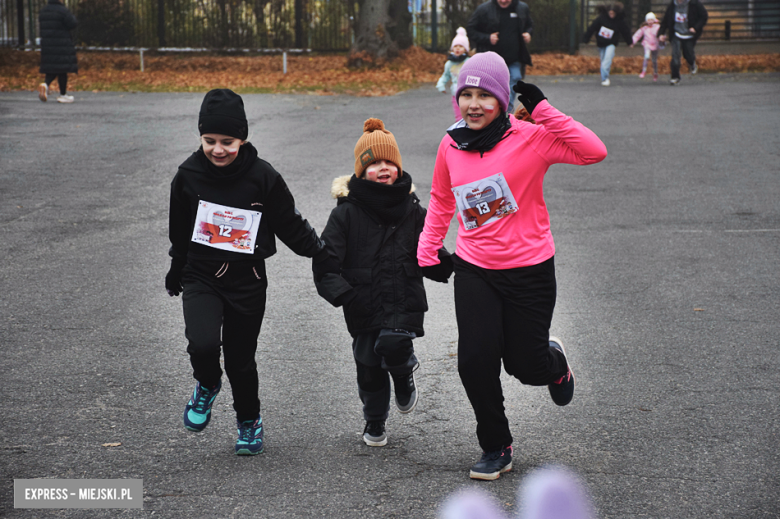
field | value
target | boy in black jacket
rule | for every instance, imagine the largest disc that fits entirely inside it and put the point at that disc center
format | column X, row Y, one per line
column 227, row 207
column 609, row 26
column 373, row 233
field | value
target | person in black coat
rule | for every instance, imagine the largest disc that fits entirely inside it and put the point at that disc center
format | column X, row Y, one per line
column 58, row 54
column 372, row 233
column 504, row 27
column 227, row 208
column 684, row 20
column 609, row 26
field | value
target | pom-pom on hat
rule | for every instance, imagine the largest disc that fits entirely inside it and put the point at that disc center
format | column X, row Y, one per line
column 376, row 143
column 460, row 39
column 488, row 71
column 222, row 112
column 650, row 16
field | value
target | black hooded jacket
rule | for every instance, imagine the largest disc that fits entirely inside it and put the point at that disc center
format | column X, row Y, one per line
column 697, row 18
column 486, row 20
column 58, row 54
column 617, row 25
column 381, row 284
column 256, row 186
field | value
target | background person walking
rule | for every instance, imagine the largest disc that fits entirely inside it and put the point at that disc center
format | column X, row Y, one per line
column 608, row 27
column 58, row 54
column 684, row 20
column 504, row 27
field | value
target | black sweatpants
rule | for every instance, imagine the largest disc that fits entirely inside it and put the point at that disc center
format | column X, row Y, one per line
column 378, row 355
column 212, row 323
column 62, row 81
column 503, row 316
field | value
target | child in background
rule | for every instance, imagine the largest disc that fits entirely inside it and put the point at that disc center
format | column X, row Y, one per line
column 609, row 26
column 648, row 34
column 227, row 208
column 458, row 55
column 372, row 233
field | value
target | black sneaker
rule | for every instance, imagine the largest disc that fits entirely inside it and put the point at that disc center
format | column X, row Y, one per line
column 405, row 392
column 562, row 390
column 492, row 464
column 374, row 433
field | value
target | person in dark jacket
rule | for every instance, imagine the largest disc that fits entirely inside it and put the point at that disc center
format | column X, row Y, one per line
column 373, row 233
column 684, row 20
column 58, row 54
column 608, row 26
column 504, row 27
column 227, row 207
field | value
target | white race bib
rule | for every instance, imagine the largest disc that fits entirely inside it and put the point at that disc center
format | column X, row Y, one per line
column 680, row 17
column 606, row 33
column 226, row 228
column 484, row 201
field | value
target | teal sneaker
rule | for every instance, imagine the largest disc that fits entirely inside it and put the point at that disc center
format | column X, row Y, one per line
column 197, row 412
column 250, row 437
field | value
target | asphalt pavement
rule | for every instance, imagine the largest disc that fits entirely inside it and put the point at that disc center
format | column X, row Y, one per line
column 668, row 304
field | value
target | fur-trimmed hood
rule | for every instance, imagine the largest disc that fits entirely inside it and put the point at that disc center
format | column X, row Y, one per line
column 340, row 187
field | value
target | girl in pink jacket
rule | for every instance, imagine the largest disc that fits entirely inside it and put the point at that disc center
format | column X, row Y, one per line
column 648, row 34
column 489, row 169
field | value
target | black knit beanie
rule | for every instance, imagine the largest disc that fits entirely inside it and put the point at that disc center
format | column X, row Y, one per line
column 222, row 112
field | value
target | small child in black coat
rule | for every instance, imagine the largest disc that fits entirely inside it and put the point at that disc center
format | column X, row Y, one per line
column 373, row 233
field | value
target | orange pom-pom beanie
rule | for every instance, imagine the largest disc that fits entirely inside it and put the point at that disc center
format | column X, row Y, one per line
column 376, row 143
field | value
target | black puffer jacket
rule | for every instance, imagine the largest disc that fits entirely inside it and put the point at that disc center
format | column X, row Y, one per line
column 486, row 20
column 381, row 284
column 58, row 54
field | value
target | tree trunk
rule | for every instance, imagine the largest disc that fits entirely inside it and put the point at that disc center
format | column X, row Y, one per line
column 373, row 43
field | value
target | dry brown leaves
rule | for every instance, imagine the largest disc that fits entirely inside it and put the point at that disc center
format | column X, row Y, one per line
column 318, row 74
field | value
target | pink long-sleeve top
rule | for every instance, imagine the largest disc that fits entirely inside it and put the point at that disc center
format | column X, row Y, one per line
column 649, row 36
column 502, row 216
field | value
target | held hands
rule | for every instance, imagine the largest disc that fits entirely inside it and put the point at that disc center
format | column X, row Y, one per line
column 441, row 272
column 173, row 278
column 326, row 265
column 530, row 95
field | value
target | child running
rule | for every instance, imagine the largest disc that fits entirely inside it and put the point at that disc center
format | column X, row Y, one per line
column 458, row 55
column 609, row 26
column 490, row 169
column 648, row 35
column 373, row 233
column 227, row 206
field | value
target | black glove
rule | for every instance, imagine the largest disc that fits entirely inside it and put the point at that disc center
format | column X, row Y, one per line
column 173, row 277
column 441, row 272
column 530, row 95
column 327, row 264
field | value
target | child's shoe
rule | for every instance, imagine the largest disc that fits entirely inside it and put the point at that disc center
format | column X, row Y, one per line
column 642, row 74
column 605, row 82
column 562, row 390
column 492, row 464
column 197, row 412
column 250, row 437
column 406, row 394
column 374, row 433
column 43, row 92
column 655, row 77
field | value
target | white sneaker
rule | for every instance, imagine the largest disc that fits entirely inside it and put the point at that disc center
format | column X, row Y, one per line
column 695, row 68
column 605, row 82
column 674, row 81
column 43, row 92
column 65, row 99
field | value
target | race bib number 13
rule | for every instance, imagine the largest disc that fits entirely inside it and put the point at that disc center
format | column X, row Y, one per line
column 484, row 202
column 226, row 228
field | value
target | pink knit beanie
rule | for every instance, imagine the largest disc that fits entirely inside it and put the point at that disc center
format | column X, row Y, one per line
column 488, row 71
column 461, row 39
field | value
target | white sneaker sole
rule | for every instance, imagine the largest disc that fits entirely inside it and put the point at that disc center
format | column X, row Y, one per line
column 492, row 476
column 43, row 92
column 373, row 443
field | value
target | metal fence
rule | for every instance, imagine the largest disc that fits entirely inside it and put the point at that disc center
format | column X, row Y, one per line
column 328, row 25
column 728, row 19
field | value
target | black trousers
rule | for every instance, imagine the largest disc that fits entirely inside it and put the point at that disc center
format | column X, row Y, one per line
column 686, row 48
column 503, row 316
column 62, row 81
column 379, row 355
column 212, row 324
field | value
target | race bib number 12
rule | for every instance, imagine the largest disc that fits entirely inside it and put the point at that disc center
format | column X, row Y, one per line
column 484, row 201
column 226, row 228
